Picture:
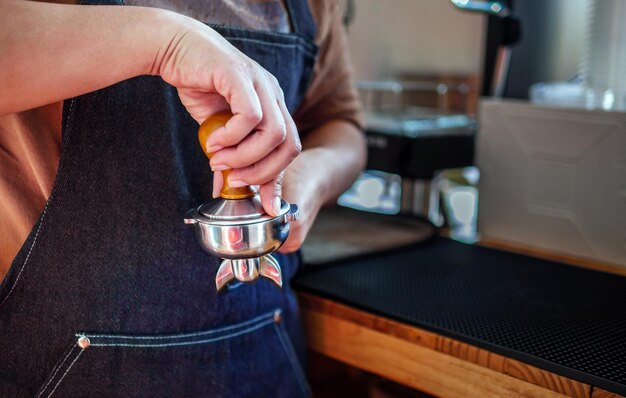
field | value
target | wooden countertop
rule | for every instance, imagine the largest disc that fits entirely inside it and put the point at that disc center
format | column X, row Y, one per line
column 426, row 361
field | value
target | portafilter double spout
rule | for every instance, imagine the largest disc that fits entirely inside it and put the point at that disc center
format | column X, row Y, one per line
column 235, row 226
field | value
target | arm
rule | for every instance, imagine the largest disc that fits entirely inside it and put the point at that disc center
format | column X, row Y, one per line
column 51, row 52
column 333, row 156
column 334, row 146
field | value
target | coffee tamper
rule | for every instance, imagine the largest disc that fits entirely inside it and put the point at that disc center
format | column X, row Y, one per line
column 235, row 227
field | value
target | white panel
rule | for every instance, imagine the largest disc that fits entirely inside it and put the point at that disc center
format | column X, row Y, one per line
column 554, row 178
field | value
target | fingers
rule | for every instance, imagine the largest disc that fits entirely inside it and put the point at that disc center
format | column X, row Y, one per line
column 218, row 182
column 297, row 233
column 253, row 103
column 291, row 245
column 267, row 166
column 270, row 133
column 246, row 116
column 201, row 104
column 259, row 141
column 264, row 170
column 271, row 194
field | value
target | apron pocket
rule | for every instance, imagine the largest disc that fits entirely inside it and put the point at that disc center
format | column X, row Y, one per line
column 254, row 358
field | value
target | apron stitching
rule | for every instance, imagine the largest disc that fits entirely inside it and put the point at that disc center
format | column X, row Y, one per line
column 65, row 374
column 290, row 355
column 56, row 371
column 288, row 45
column 174, row 344
column 19, row 274
column 41, row 222
column 178, row 336
column 234, row 285
column 289, row 36
column 296, row 41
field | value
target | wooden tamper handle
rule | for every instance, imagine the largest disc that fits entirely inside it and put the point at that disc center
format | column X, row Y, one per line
column 211, row 124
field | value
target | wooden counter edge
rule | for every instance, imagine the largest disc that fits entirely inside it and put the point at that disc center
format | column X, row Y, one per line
column 552, row 255
column 425, row 360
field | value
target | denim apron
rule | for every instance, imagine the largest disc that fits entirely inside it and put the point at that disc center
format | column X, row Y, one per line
column 111, row 295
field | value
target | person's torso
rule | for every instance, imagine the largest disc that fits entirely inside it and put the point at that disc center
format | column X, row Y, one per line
column 111, row 295
column 30, row 141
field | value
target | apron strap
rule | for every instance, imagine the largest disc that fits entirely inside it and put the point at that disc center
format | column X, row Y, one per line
column 298, row 10
column 301, row 18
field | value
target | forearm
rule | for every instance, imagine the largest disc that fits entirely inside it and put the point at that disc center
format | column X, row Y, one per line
column 335, row 155
column 52, row 52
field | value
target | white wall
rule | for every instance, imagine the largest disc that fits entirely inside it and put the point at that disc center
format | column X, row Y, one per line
column 568, row 36
column 419, row 36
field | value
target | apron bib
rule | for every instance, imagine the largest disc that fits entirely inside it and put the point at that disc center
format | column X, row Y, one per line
column 111, row 295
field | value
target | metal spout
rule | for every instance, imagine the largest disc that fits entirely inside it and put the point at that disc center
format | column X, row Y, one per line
column 248, row 270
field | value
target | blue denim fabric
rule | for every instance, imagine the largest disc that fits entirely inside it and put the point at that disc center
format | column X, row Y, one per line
column 110, row 259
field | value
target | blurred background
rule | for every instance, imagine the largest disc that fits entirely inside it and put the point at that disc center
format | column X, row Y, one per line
column 499, row 122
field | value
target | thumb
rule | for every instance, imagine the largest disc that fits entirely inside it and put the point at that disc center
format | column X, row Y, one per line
column 271, row 194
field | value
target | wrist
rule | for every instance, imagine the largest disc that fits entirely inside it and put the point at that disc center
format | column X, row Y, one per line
column 311, row 173
column 164, row 42
column 160, row 30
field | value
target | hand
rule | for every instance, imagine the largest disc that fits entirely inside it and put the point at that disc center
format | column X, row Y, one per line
column 301, row 188
column 333, row 157
column 211, row 76
column 123, row 42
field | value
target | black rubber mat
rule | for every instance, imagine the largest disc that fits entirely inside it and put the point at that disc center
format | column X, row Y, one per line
column 568, row 320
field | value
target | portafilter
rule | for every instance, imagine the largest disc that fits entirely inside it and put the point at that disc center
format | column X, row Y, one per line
column 235, row 227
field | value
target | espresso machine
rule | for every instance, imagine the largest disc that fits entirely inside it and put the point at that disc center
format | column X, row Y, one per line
column 415, row 143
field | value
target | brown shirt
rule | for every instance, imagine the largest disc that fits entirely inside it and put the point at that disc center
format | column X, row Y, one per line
column 30, row 141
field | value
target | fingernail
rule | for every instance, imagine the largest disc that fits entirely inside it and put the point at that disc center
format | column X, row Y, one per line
column 213, row 148
column 219, row 167
column 237, row 183
column 276, row 205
